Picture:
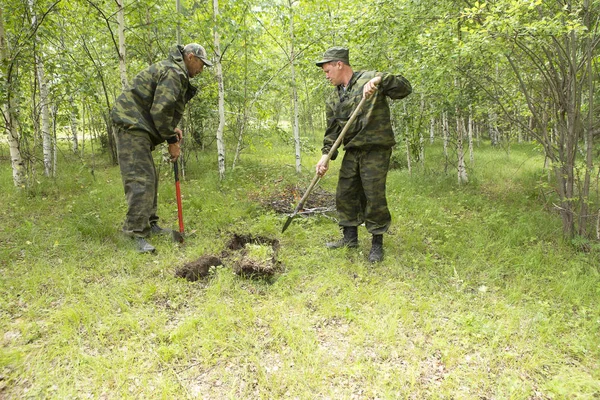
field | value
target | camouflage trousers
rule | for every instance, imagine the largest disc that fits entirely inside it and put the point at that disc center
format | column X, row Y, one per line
column 134, row 149
column 361, row 189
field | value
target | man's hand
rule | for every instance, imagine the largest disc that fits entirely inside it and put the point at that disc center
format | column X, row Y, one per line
column 174, row 148
column 179, row 134
column 174, row 151
column 322, row 165
column 371, row 86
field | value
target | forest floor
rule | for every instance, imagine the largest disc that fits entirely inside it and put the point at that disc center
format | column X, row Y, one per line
column 478, row 296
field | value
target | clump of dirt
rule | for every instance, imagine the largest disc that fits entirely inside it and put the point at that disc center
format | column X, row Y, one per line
column 249, row 256
column 253, row 257
column 195, row 270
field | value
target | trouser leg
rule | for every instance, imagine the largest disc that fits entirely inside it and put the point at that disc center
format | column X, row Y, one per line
column 350, row 198
column 374, row 165
column 139, row 180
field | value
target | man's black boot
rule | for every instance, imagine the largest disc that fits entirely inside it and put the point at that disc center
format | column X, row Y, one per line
column 157, row 230
column 350, row 238
column 143, row 246
column 376, row 253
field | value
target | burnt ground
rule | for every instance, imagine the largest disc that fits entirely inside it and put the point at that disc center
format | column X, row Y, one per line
column 284, row 200
column 238, row 254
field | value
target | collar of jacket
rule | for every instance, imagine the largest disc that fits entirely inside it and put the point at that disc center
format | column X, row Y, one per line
column 176, row 55
column 340, row 88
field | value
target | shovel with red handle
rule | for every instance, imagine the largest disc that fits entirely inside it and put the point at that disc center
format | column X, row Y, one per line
column 178, row 236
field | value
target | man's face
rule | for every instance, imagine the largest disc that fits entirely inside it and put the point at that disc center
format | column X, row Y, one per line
column 333, row 72
column 194, row 65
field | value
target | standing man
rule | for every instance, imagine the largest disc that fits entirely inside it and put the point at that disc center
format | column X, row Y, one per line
column 145, row 115
column 360, row 195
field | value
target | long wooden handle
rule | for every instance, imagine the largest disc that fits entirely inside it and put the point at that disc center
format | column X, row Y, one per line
column 336, row 144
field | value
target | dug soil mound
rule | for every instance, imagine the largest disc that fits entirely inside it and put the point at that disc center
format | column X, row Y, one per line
column 195, row 270
column 253, row 257
column 249, row 256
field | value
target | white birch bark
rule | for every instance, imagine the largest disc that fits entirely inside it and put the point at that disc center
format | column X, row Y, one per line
column 432, row 130
column 408, row 161
column 121, row 29
column 219, row 73
column 43, row 86
column 421, row 137
column 445, row 138
column 461, row 168
column 296, row 127
column 8, row 110
column 470, row 135
column 73, row 121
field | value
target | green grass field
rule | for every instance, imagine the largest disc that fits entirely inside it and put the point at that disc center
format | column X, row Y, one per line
column 479, row 297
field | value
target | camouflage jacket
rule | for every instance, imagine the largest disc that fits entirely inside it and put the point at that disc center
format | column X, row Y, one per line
column 372, row 127
column 156, row 98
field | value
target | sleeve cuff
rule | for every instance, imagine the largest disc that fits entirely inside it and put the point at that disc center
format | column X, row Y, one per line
column 172, row 140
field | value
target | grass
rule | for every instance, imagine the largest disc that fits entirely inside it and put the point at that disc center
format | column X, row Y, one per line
column 478, row 296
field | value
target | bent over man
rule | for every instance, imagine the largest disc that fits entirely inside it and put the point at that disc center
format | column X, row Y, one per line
column 145, row 115
column 360, row 195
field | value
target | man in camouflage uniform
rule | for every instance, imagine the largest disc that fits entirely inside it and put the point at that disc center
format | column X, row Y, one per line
column 145, row 115
column 368, row 145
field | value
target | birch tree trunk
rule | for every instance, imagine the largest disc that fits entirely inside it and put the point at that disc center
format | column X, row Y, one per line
column 178, row 11
column 43, row 86
column 73, row 120
column 421, row 138
column 219, row 73
column 10, row 118
column 445, row 135
column 470, row 135
column 461, row 167
column 296, row 127
column 431, row 130
column 589, row 134
column 122, row 64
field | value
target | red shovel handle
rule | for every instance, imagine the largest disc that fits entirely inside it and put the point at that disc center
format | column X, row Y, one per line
column 178, row 193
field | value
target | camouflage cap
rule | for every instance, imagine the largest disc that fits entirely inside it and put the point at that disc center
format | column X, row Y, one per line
column 199, row 52
column 335, row 54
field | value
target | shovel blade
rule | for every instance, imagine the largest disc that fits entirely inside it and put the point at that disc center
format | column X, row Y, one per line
column 288, row 222
column 177, row 236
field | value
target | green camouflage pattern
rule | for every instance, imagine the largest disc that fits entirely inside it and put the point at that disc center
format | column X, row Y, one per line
column 155, row 101
column 134, row 149
column 361, row 187
column 372, row 126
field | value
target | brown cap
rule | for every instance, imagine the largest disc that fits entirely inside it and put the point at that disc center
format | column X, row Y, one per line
column 335, row 54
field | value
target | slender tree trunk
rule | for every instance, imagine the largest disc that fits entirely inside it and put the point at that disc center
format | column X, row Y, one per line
column 296, row 126
column 589, row 135
column 408, row 160
column 73, row 120
column 178, row 10
column 445, row 138
column 432, row 130
column 54, row 141
column 244, row 119
column 470, row 135
column 421, row 137
column 121, row 29
column 43, row 87
column 461, row 168
column 8, row 111
column 219, row 73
